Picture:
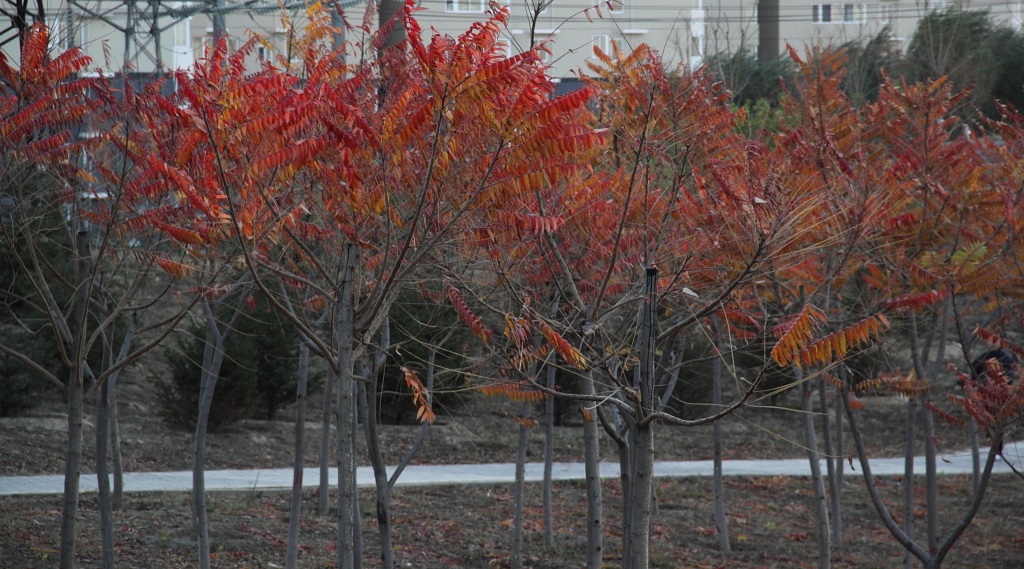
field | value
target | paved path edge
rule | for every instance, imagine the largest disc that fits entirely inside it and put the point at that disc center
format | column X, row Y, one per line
column 424, row 475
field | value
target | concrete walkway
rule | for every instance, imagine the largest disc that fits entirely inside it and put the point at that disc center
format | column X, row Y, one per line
column 423, row 475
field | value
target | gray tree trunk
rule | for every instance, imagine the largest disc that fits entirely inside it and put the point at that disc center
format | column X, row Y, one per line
column 213, row 357
column 643, row 433
column 908, row 478
column 323, row 504
column 625, row 447
column 549, row 457
column 207, row 385
column 347, row 495
column 517, row 499
column 357, row 509
column 368, row 403
column 592, row 468
column 928, row 560
column 837, row 491
column 72, row 471
column 338, row 23
column 390, row 9
column 76, row 396
column 931, row 483
column 721, row 521
column 299, row 463
column 931, row 479
column 834, row 481
column 117, row 498
column 820, row 501
column 117, row 460
column 102, row 470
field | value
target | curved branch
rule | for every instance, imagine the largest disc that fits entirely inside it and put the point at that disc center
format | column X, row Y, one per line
column 673, row 420
column 762, row 247
column 32, row 364
column 876, row 499
column 979, row 494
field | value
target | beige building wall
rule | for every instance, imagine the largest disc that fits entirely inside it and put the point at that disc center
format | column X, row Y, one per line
column 806, row 23
column 685, row 32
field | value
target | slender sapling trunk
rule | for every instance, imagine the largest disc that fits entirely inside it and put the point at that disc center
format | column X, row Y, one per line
column 347, row 495
column 76, row 404
column 592, row 467
column 323, row 497
column 299, row 462
column 549, row 457
column 820, row 501
column 721, row 521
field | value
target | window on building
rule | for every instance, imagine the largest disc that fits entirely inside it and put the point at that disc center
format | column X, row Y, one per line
column 855, row 13
column 466, row 5
column 602, row 42
column 838, row 13
column 886, row 12
column 181, row 34
column 821, row 13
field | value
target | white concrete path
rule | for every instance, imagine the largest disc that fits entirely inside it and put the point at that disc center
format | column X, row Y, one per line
column 422, row 475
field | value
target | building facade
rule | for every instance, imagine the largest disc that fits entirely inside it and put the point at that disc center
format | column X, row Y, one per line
column 172, row 35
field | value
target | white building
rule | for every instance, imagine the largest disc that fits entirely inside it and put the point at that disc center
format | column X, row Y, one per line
column 684, row 31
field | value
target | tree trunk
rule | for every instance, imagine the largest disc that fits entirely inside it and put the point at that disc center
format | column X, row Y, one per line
column 102, row 470
column 931, row 483
column 549, row 458
column 72, row 471
column 592, row 467
column 677, row 361
column 117, row 461
column 721, row 521
column 931, row 480
column 299, row 463
column 928, row 560
column 76, row 396
column 641, row 496
column 643, row 433
column 837, row 492
column 357, row 509
column 834, row 481
column 347, row 495
column 391, row 10
column 820, row 504
column 323, row 504
column 517, row 499
column 908, row 478
column 625, row 447
column 368, row 403
column 213, row 357
column 972, row 431
column 117, row 498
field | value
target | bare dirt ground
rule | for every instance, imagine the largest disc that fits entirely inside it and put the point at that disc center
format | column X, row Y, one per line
column 481, row 430
column 771, row 523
